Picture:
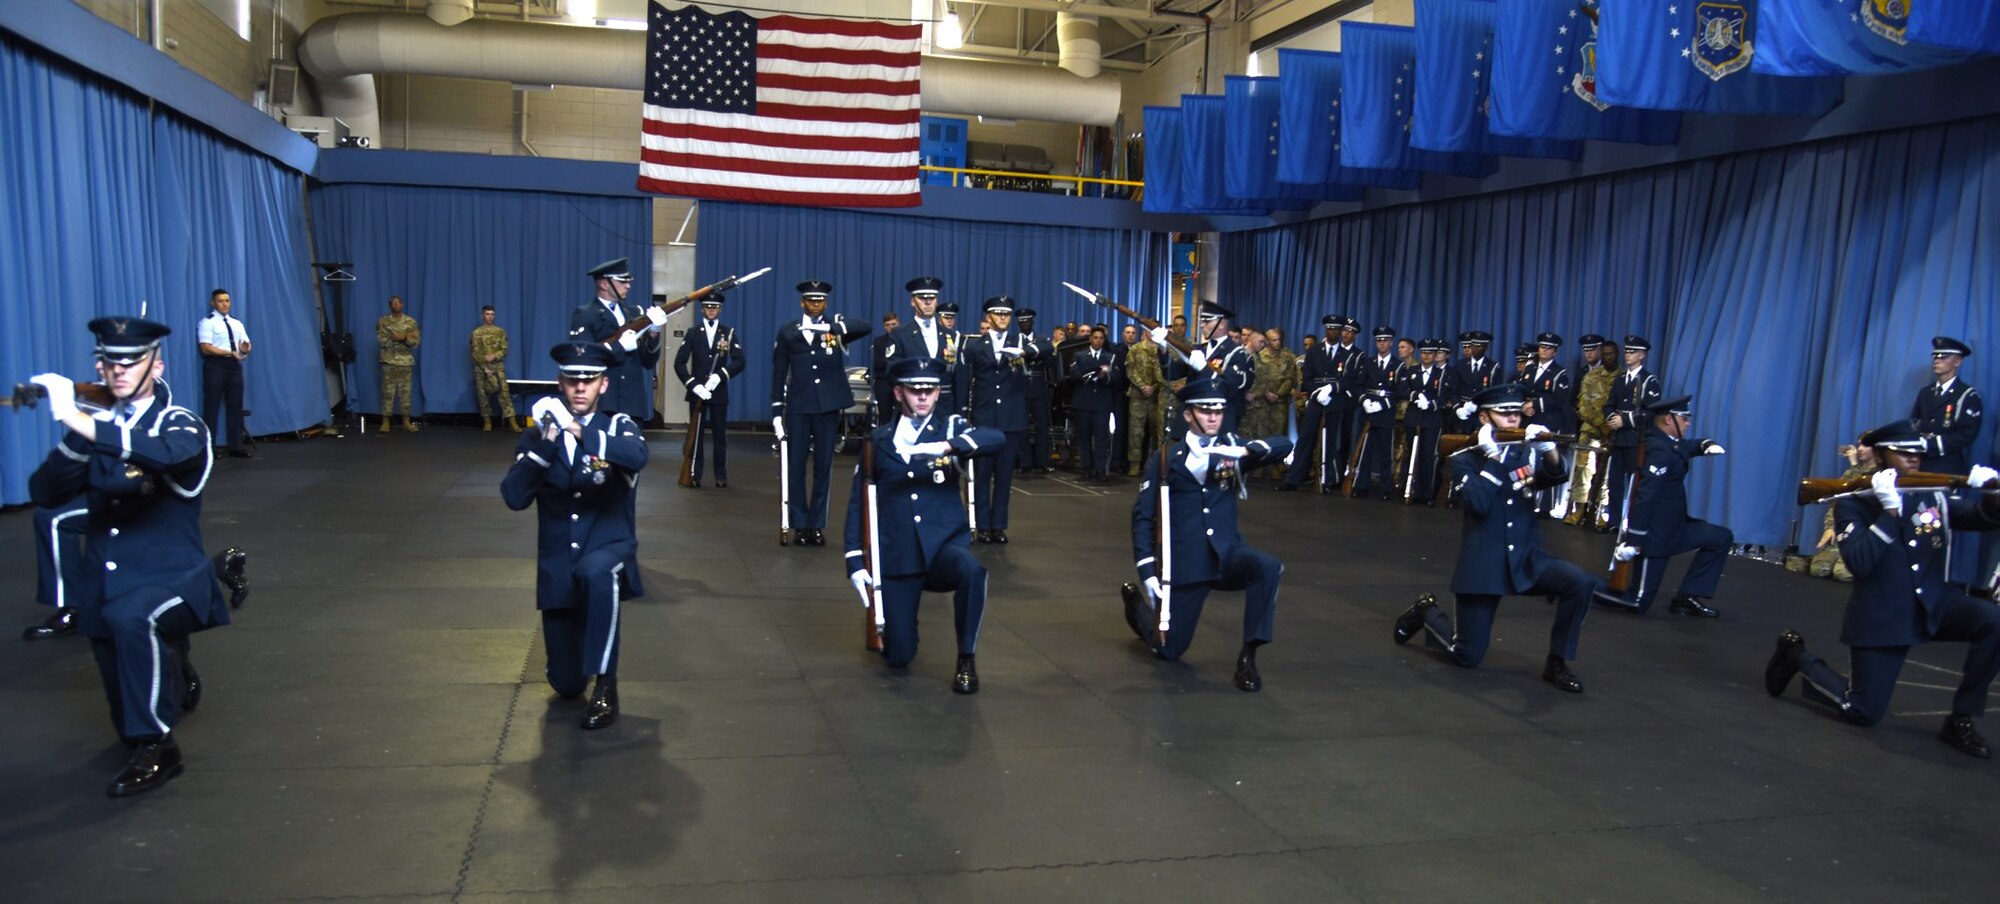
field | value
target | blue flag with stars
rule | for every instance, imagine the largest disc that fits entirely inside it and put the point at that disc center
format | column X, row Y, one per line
column 1454, row 64
column 1695, row 55
column 1250, row 125
column 1379, row 86
column 1309, row 90
column 1166, row 175
column 1963, row 24
column 1540, row 94
column 1838, row 37
column 1204, row 157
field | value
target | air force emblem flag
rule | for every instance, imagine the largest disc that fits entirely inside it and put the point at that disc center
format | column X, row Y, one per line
column 1721, row 41
column 1888, row 18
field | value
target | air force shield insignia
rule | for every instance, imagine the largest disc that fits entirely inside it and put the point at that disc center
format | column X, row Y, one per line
column 1721, row 41
column 1888, row 18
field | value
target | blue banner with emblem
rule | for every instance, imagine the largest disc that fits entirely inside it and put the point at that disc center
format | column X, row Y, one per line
column 1165, row 192
column 1455, row 66
column 1204, row 155
column 1250, row 125
column 1379, row 64
column 1839, row 37
column 1696, row 55
column 1310, row 85
column 1545, row 79
column 1962, row 24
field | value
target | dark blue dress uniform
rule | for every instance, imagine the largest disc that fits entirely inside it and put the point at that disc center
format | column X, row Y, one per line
column 1902, row 597
column 1039, row 448
column 925, row 540
column 144, row 583
column 809, row 390
column 1469, row 375
column 1500, row 554
column 1660, row 526
column 1375, row 381
column 1207, row 553
column 1098, row 389
column 587, row 561
column 1948, row 416
column 924, row 340
column 1552, row 389
column 1229, row 363
column 1323, row 366
column 631, row 389
column 882, row 351
column 1631, row 392
column 710, row 349
column 993, row 388
column 1423, row 424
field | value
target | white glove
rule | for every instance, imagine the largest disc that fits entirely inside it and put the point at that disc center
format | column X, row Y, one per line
column 714, row 380
column 1010, row 352
column 778, row 426
column 940, row 447
column 555, row 408
column 658, row 315
column 1197, row 359
column 1291, row 455
column 1324, row 395
column 1711, row 447
column 1158, row 334
column 1423, row 402
column 1371, row 406
column 1541, row 447
column 629, row 342
column 62, row 393
column 1487, row 444
column 815, row 328
column 1624, row 553
column 1466, row 409
column 701, row 392
column 1982, row 476
column 1154, row 591
column 859, row 578
column 1228, row 451
column 1884, row 486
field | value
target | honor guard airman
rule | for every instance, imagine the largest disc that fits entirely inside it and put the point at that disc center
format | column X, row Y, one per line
column 1375, row 394
column 920, row 537
column 1039, row 448
column 923, row 338
column 1897, row 539
column 710, row 357
column 808, row 392
column 993, row 386
column 1588, row 500
column 1552, row 395
column 1468, row 376
column 144, row 584
column 1660, row 526
column 1219, row 356
column 1322, row 423
column 1500, row 553
column 1184, row 538
column 1423, row 392
column 1095, row 380
column 1632, row 392
column 1948, row 412
column 579, row 467
column 603, row 320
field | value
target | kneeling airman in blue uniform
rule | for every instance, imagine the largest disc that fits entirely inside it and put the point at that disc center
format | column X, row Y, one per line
column 922, row 540
column 1501, row 550
column 1184, row 539
column 1660, row 527
column 580, row 468
column 1898, row 542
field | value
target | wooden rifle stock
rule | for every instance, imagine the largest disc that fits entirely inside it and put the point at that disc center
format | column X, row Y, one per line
column 870, row 547
column 1354, row 458
column 1814, row 490
column 667, row 310
column 1620, row 581
column 692, row 444
column 89, row 396
column 1179, row 343
column 1452, row 443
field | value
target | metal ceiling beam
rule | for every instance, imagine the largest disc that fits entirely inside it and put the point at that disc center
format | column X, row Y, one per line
column 987, row 53
column 1098, row 9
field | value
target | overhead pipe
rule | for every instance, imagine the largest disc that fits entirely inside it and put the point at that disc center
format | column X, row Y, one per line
column 451, row 12
column 1077, row 49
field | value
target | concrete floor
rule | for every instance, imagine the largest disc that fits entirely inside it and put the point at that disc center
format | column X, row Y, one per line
column 375, row 725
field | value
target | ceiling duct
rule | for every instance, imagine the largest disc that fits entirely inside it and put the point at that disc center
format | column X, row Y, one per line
column 1078, row 51
column 344, row 53
column 448, row 12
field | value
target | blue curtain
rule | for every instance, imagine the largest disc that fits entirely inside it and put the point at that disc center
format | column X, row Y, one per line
column 1794, row 291
column 869, row 256
column 231, row 219
column 449, row 251
column 106, row 205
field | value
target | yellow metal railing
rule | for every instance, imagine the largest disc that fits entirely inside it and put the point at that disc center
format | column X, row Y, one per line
column 1075, row 182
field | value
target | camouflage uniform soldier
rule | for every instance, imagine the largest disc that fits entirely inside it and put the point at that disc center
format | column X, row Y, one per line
column 1591, row 394
column 397, row 334
column 1146, row 401
column 1275, row 375
column 489, row 371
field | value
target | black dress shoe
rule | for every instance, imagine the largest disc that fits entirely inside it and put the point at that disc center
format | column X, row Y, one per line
column 61, row 623
column 965, row 678
column 694, row 484
column 1784, row 663
column 1557, row 672
column 721, row 483
column 817, row 537
column 153, row 763
column 1412, row 619
column 191, row 699
column 1135, row 604
column 1247, row 679
column 999, row 536
column 1687, row 605
column 1959, row 732
column 229, row 567
column 798, row 538
column 603, row 708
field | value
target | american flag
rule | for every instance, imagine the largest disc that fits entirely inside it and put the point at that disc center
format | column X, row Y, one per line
column 781, row 110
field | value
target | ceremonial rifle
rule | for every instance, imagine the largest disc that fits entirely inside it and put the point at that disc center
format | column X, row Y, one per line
column 1180, row 343
column 1454, row 443
column 1620, row 581
column 89, row 396
column 691, row 446
column 657, row 315
column 1163, row 548
column 1815, row 490
column 871, row 547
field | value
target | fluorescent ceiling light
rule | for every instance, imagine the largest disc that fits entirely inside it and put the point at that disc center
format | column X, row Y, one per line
column 950, row 34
